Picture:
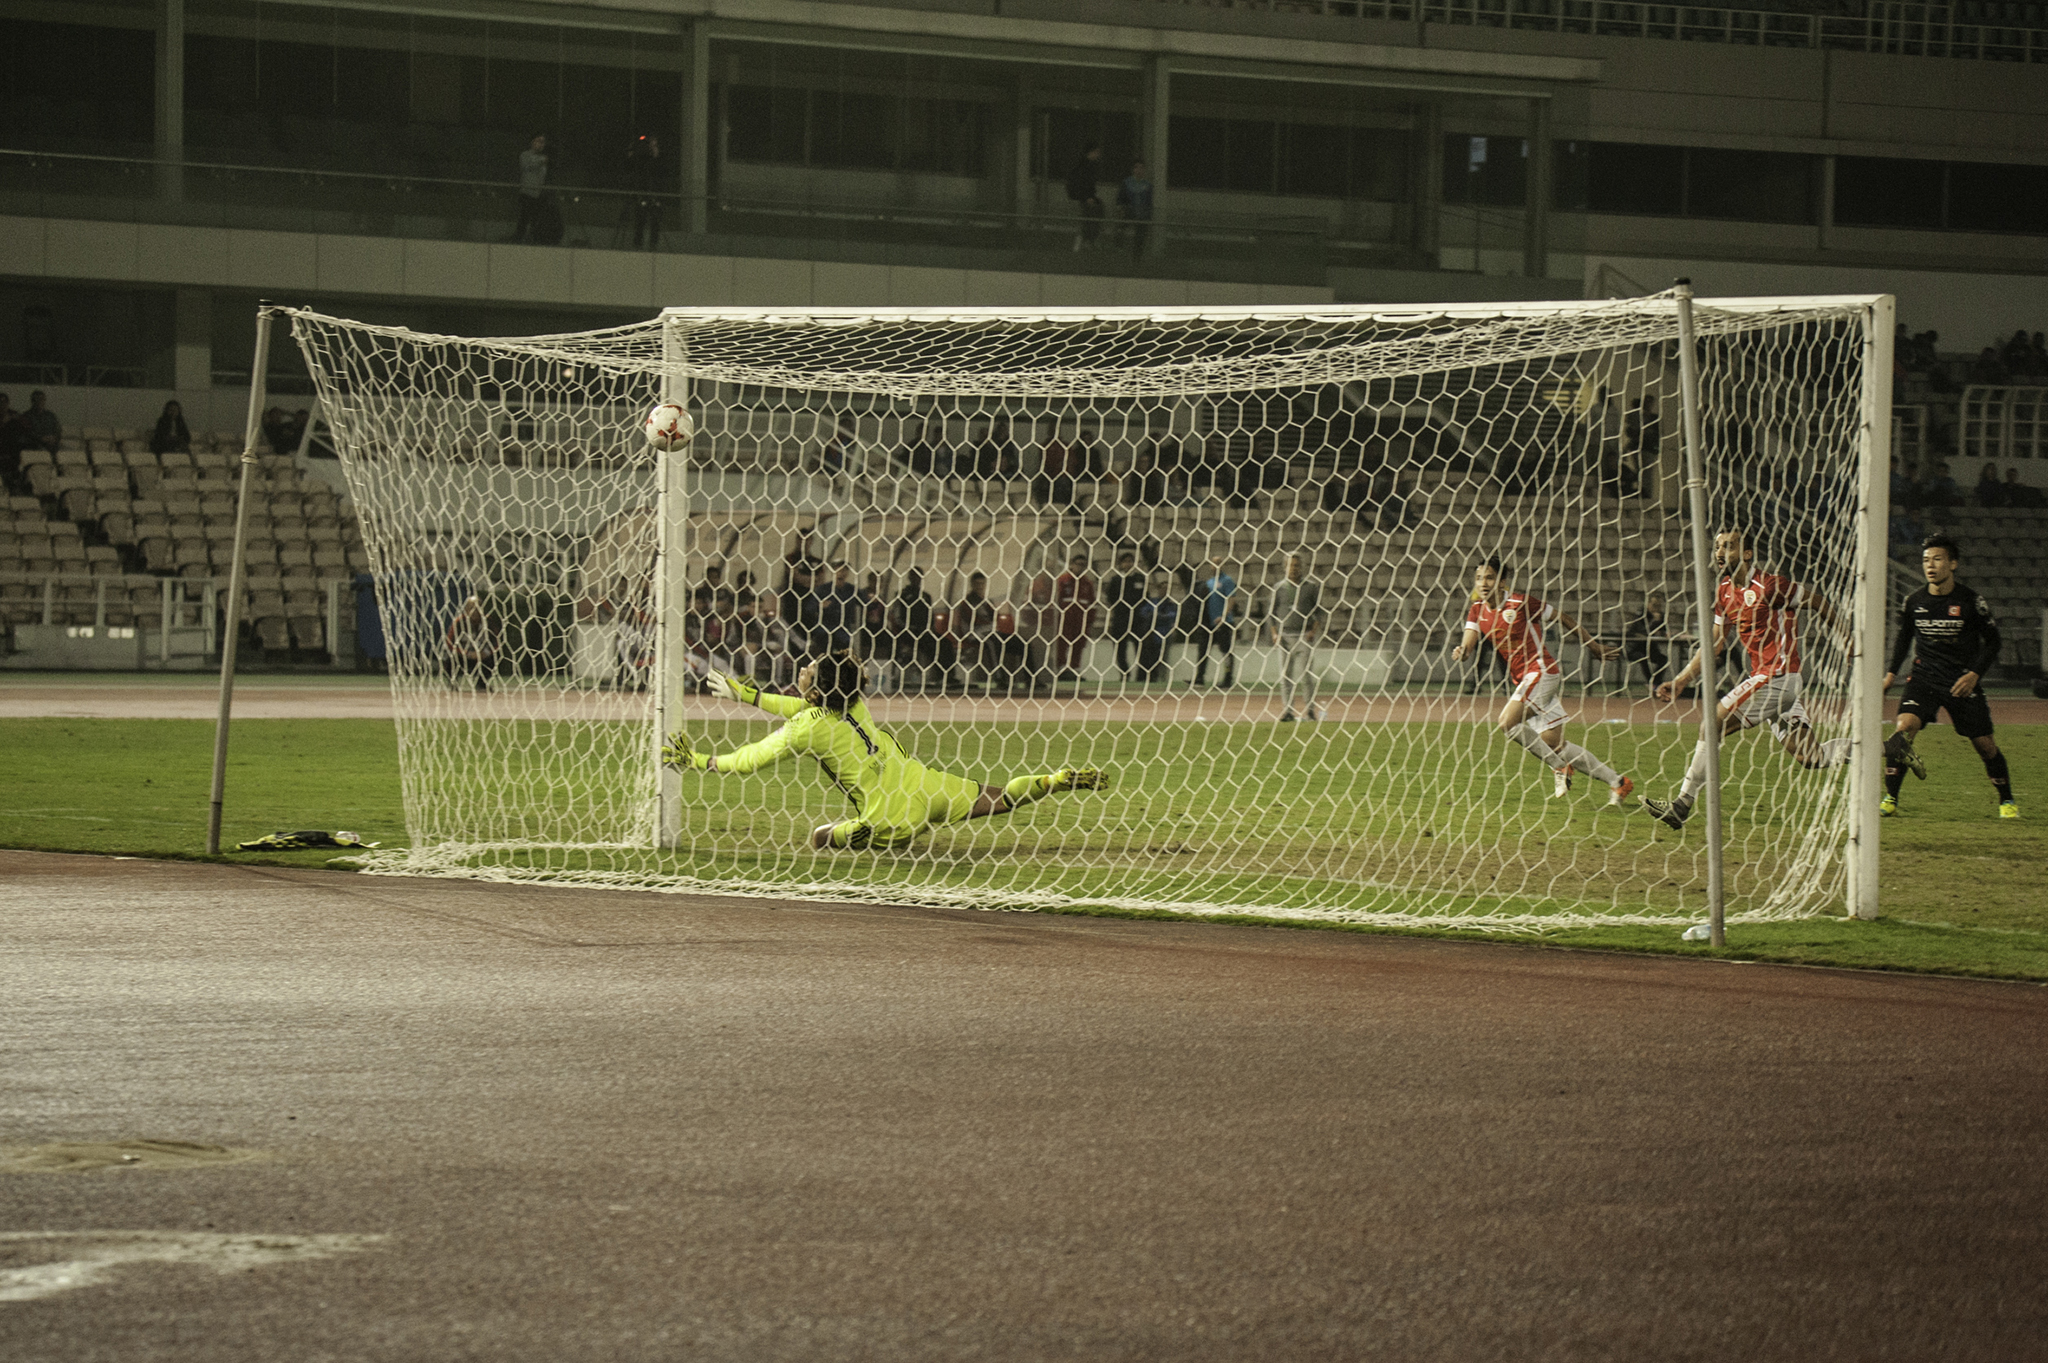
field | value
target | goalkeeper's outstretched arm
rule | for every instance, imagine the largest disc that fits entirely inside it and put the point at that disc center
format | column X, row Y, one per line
column 746, row 693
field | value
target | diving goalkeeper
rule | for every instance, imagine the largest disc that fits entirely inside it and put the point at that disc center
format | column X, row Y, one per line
column 894, row 796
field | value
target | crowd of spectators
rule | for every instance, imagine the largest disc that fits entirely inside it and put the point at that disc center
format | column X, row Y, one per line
column 912, row 642
column 2022, row 359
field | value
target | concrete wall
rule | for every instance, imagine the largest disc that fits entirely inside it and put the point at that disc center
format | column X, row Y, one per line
column 282, row 264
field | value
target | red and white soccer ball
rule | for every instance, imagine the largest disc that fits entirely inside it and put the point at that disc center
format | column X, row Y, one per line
column 669, row 427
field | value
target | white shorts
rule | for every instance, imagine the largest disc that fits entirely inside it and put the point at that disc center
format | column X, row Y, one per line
column 1539, row 691
column 1764, row 699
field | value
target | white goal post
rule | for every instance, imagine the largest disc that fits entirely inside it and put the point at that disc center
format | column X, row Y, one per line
column 1022, row 521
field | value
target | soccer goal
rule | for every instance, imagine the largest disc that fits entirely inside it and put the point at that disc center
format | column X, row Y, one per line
column 1226, row 555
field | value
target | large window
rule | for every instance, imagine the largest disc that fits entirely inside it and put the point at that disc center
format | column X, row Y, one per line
column 1319, row 160
column 1685, row 182
column 1963, row 196
column 1486, row 170
column 854, row 130
column 365, row 90
column 78, row 89
column 1063, row 136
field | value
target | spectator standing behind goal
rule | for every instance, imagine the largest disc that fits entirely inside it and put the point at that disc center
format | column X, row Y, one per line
column 643, row 180
column 1073, row 594
column 1950, row 628
column 894, row 797
column 1125, row 589
column 1154, row 621
column 1134, row 200
column 1215, row 625
column 533, row 180
column 1645, row 640
column 1534, row 717
column 1761, row 610
column 1293, row 625
column 1081, row 193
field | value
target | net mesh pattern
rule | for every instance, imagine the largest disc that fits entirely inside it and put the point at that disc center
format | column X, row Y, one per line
column 1020, row 524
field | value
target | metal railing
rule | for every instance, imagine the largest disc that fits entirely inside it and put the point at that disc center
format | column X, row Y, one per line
column 181, row 620
column 1246, row 247
column 56, row 375
column 2004, row 422
column 1977, row 32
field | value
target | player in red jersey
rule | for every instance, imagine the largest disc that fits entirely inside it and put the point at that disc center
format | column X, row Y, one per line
column 1513, row 623
column 1762, row 610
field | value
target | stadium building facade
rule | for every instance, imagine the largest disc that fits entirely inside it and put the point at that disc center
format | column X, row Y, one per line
column 919, row 153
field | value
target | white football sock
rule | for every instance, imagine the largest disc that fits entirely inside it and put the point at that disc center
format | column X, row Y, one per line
column 1589, row 764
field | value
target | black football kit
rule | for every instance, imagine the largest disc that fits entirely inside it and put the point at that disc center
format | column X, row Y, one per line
column 1951, row 634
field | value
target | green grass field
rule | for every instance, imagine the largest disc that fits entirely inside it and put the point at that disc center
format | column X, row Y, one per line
column 1236, row 813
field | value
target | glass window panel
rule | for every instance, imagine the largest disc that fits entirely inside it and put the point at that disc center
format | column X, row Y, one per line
column 1068, row 133
column 1379, row 163
column 1998, row 198
column 1635, row 177
column 1314, row 159
column 1485, row 170
column 1196, row 153
column 1873, row 191
column 1248, row 156
column 1753, row 186
column 75, row 88
column 766, row 123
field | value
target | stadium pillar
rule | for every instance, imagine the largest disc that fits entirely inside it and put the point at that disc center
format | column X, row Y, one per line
column 1427, row 206
column 192, row 353
column 1824, row 217
column 1020, row 146
column 1157, row 119
column 697, row 135
column 1536, row 202
column 170, row 99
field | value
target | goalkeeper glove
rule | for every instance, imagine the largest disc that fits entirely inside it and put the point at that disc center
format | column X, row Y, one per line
column 678, row 753
column 732, row 688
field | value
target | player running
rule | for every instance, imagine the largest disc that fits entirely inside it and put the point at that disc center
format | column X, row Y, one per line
column 1534, row 717
column 894, row 797
column 1762, row 610
column 1957, row 642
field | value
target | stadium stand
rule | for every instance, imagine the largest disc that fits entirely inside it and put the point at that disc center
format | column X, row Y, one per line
column 102, row 534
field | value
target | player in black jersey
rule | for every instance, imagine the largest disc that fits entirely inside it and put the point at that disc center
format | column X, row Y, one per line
column 1957, row 641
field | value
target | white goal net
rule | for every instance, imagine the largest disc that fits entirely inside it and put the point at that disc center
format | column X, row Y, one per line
column 1225, row 556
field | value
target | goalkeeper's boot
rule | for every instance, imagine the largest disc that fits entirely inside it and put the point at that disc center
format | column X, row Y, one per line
column 2008, row 810
column 1888, row 806
column 1563, row 785
column 1670, row 813
column 1078, row 778
column 1618, row 794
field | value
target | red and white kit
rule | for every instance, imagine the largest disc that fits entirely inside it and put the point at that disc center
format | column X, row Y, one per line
column 1515, row 627
column 1763, row 612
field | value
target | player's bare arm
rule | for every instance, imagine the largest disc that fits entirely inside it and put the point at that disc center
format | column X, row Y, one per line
column 1670, row 690
column 1467, row 641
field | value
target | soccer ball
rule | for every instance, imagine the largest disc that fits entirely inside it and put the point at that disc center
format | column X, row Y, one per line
column 669, row 427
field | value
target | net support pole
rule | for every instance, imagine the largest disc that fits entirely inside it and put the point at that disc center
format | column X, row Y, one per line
column 1866, row 696
column 230, row 633
column 1703, row 602
column 671, row 591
